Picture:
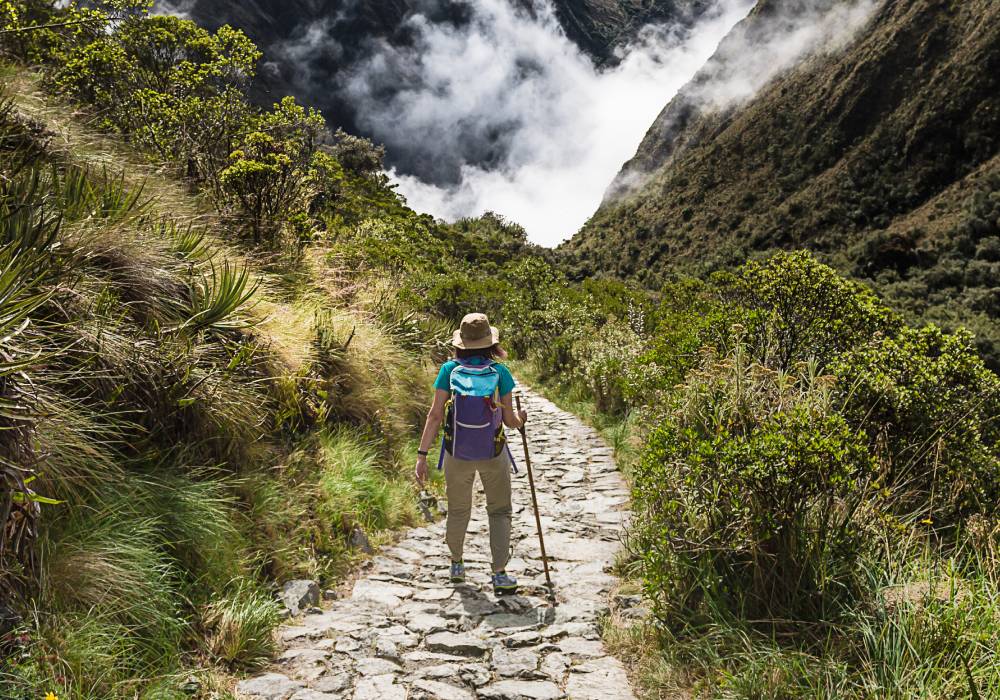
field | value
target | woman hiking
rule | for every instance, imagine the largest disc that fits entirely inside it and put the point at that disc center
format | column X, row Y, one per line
column 472, row 398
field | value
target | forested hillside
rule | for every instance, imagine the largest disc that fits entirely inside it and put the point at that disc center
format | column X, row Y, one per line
column 881, row 156
column 218, row 325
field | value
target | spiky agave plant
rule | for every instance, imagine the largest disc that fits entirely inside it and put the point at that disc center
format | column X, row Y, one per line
column 27, row 235
column 219, row 300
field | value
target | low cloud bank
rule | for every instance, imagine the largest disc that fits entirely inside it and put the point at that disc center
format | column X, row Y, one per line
column 754, row 54
column 503, row 112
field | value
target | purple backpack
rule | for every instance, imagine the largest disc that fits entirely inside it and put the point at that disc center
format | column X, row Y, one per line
column 474, row 424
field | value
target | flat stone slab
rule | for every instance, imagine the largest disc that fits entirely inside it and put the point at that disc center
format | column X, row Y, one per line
column 270, row 686
column 522, row 690
column 379, row 688
column 435, row 690
column 387, row 594
column 452, row 643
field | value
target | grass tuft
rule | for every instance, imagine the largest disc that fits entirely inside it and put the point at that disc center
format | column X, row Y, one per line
column 241, row 624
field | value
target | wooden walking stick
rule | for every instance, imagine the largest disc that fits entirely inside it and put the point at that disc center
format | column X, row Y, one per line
column 534, row 502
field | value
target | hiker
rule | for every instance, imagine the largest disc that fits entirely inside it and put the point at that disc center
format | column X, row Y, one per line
column 472, row 398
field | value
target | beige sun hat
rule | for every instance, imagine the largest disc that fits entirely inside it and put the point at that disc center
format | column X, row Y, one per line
column 475, row 333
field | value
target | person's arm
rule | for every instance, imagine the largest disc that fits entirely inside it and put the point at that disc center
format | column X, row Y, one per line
column 514, row 420
column 435, row 417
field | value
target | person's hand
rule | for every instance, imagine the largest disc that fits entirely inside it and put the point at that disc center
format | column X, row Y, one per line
column 522, row 416
column 420, row 471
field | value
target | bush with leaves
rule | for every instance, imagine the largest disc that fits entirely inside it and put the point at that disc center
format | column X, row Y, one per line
column 931, row 411
column 455, row 293
column 607, row 362
column 268, row 180
column 745, row 494
column 795, row 308
column 176, row 89
column 43, row 30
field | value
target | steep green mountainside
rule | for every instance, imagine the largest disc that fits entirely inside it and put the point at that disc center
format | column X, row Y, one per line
column 308, row 44
column 881, row 156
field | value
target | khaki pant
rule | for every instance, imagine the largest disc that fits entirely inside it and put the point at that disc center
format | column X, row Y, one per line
column 460, row 477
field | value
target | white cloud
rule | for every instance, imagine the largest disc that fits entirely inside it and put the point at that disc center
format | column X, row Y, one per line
column 753, row 55
column 510, row 110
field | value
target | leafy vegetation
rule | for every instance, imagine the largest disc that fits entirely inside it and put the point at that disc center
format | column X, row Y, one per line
column 192, row 412
column 184, row 428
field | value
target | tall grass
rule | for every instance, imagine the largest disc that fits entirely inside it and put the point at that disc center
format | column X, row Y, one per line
column 355, row 489
column 151, row 385
column 240, row 625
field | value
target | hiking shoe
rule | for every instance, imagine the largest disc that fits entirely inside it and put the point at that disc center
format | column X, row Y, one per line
column 504, row 584
column 457, row 574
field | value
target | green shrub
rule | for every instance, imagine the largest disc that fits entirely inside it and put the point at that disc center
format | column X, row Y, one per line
column 607, row 363
column 745, row 493
column 929, row 408
column 453, row 294
column 795, row 308
column 267, row 179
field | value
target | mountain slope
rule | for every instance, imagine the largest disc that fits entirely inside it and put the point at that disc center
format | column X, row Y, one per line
column 881, row 155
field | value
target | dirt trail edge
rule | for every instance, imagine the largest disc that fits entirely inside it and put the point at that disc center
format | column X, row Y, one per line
column 405, row 633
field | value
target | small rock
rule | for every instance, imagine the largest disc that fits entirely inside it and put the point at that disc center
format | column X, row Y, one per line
column 639, row 613
column 420, row 656
column 476, row 675
column 333, row 683
column 400, row 636
column 314, row 611
column 299, row 595
column 359, row 540
column 386, row 649
column 427, row 623
column 376, row 667
column 514, row 663
column 512, row 621
column 379, row 688
column 346, row 645
column 438, row 671
column 522, row 639
column 330, row 594
column 555, row 666
column 576, row 646
column 452, row 643
column 389, row 595
column 627, row 601
column 606, row 684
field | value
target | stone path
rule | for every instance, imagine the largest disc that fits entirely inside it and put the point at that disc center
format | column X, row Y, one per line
column 405, row 633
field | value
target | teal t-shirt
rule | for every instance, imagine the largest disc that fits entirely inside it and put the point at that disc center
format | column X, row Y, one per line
column 507, row 382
